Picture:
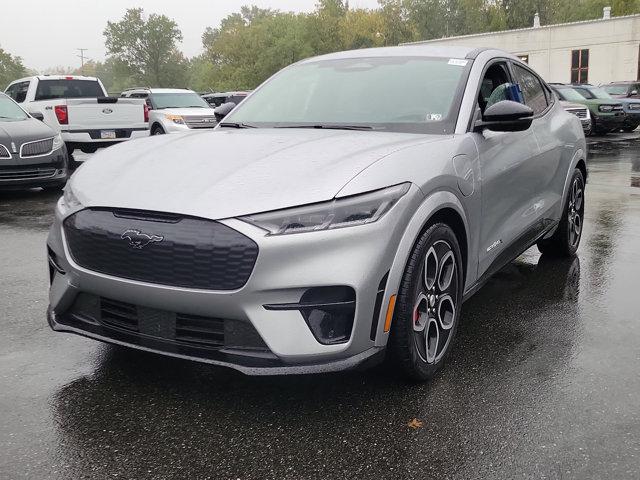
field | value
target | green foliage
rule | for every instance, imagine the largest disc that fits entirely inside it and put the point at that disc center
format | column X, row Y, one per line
column 254, row 43
column 11, row 68
column 147, row 49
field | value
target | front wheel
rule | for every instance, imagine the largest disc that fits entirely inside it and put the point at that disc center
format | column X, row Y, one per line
column 566, row 239
column 157, row 130
column 428, row 307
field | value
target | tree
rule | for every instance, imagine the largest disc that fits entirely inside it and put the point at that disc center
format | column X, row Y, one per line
column 11, row 68
column 148, row 48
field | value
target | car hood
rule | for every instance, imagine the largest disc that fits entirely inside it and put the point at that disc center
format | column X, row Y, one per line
column 226, row 173
column 187, row 111
column 22, row 131
column 566, row 104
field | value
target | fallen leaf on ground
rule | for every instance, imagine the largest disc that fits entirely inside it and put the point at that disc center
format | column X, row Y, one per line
column 415, row 424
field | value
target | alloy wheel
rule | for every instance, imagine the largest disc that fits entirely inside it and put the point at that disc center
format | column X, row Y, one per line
column 576, row 211
column 435, row 307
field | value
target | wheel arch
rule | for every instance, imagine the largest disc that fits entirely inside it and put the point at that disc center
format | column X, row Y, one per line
column 440, row 206
column 156, row 124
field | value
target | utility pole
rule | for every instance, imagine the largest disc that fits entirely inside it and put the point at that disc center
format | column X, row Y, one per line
column 81, row 56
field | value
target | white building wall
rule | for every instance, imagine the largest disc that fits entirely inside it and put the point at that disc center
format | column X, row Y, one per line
column 613, row 44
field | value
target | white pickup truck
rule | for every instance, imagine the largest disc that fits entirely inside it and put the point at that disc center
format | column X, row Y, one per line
column 80, row 109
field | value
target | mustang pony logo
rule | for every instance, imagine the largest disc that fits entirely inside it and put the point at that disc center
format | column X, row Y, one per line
column 139, row 240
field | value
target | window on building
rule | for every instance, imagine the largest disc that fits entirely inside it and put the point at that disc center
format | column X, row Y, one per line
column 532, row 89
column 524, row 58
column 580, row 66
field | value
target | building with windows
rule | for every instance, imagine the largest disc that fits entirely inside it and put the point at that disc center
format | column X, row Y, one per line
column 593, row 51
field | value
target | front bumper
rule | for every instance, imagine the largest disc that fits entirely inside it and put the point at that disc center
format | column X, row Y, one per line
column 610, row 121
column 40, row 171
column 286, row 267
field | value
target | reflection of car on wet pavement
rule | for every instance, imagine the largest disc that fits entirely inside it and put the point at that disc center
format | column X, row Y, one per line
column 317, row 239
column 31, row 153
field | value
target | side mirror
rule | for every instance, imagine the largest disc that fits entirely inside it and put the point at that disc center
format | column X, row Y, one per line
column 223, row 110
column 38, row 116
column 506, row 116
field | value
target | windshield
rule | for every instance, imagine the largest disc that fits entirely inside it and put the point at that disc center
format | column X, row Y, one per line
column 595, row 93
column 177, row 100
column 54, row 89
column 569, row 94
column 406, row 94
column 616, row 89
column 9, row 111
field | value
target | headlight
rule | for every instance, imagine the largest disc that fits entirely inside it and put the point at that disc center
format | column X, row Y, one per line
column 69, row 198
column 605, row 108
column 175, row 119
column 57, row 142
column 339, row 213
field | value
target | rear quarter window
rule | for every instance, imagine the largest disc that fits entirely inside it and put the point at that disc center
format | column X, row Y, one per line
column 54, row 89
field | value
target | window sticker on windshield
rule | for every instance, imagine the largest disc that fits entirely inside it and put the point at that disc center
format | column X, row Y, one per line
column 458, row 62
column 434, row 117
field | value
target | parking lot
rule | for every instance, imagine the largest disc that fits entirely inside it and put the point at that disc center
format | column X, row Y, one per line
column 543, row 381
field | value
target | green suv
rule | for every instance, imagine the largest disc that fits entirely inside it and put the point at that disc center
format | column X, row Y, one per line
column 607, row 115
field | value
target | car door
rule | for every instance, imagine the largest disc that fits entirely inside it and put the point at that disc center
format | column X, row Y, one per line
column 547, row 171
column 507, row 167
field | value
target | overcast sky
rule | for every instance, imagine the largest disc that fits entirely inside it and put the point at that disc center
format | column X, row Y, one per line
column 46, row 33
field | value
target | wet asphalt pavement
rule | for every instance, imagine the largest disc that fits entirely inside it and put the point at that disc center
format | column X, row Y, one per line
column 544, row 380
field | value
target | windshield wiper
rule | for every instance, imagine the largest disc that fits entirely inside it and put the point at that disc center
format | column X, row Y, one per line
column 236, row 125
column 330, row 127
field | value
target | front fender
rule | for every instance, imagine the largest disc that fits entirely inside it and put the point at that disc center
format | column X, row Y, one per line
column 431, row 205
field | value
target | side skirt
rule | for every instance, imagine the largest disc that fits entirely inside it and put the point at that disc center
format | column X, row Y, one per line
column 514, row 250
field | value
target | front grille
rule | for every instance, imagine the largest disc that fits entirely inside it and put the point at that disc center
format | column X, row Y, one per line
column 39, row 147
column 118, row 314
column 195, row 329
column 578, row 112
column 160, row 248
column 176, row 328
column 200, row 121
column 4, row 152
column 617, row 108
column 21, row 173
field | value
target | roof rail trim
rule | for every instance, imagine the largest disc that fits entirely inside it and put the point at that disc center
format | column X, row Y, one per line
column 473, row 54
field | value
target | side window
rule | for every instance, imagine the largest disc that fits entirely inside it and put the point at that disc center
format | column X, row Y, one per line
column 532, row 89
column 11, row 90
column 493, row 87
column 18, row 91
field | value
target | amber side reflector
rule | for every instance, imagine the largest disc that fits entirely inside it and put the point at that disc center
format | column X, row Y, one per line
column 392, row 305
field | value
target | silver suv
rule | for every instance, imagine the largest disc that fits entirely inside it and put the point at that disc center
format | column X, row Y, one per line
column 334, row 225
column 174, row 110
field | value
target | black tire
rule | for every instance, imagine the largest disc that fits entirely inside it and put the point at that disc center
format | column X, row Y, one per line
column 157, row 130
column 419, row 305
column 629, row 129
column 70, row 149
column 566, row 239
column 58, row 187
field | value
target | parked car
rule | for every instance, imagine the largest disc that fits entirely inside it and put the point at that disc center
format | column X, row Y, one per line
column 174, row 110
column 581, row 112
column 80, row 109
column 630, row 106
column 606, row 115
column 31, row 153
column 217, row 99
column 623, row 89
column 328, row 229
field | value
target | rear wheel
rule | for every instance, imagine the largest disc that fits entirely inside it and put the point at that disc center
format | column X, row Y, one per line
column 427, row 311
column 566, row 239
